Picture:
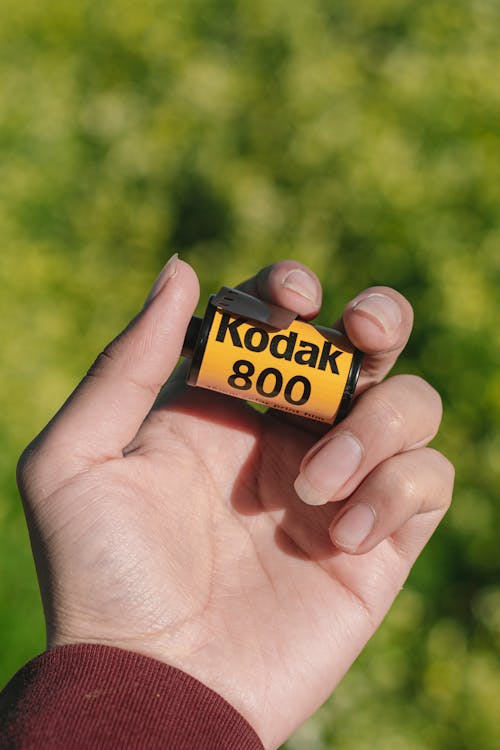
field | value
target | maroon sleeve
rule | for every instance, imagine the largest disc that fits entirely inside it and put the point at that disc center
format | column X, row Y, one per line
column 96, row 697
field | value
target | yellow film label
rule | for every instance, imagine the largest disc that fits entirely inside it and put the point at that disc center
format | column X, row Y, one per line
column 303, row 369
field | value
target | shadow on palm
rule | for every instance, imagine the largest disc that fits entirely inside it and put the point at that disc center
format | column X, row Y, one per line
column 254, row 458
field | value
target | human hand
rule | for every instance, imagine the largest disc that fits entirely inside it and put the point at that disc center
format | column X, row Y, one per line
column 170, row 526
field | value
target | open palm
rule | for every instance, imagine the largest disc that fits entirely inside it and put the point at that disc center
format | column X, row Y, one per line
column 170, row 526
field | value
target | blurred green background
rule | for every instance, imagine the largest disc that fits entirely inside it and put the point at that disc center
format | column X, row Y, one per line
column 360, row 138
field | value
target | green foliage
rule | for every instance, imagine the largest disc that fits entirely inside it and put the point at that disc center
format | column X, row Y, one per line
column 361, row 138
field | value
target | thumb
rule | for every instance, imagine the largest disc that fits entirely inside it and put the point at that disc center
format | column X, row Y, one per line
column 106, row 410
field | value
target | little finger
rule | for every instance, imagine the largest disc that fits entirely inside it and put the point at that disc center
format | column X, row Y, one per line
column 418, row 482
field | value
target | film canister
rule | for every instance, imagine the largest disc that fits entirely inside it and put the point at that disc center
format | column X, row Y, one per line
column 250, row 349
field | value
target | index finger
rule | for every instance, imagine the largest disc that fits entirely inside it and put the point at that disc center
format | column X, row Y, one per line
column 288, row 284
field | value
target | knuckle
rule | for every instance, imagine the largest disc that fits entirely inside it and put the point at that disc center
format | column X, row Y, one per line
column 430, row 395
column 103, row 361
column 23, row 464
column 417, row 390
column 445, row 468
column 408, row 487
column 113, row 360
column 401, row 482
column 28, row 464
column 388, row 417
column 418, row 386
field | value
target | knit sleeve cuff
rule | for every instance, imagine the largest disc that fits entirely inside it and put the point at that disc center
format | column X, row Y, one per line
column 93, row 696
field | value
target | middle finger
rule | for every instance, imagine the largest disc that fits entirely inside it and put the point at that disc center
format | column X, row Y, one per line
column 402, row 413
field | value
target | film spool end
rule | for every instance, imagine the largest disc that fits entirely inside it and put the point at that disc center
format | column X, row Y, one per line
column 191, row 337
column 350, row 387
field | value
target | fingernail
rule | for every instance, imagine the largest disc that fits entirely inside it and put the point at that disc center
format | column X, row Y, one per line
column 301, row 283
column 382, row 309
column 328, row 469
column 166, row 273
column 353, row 527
